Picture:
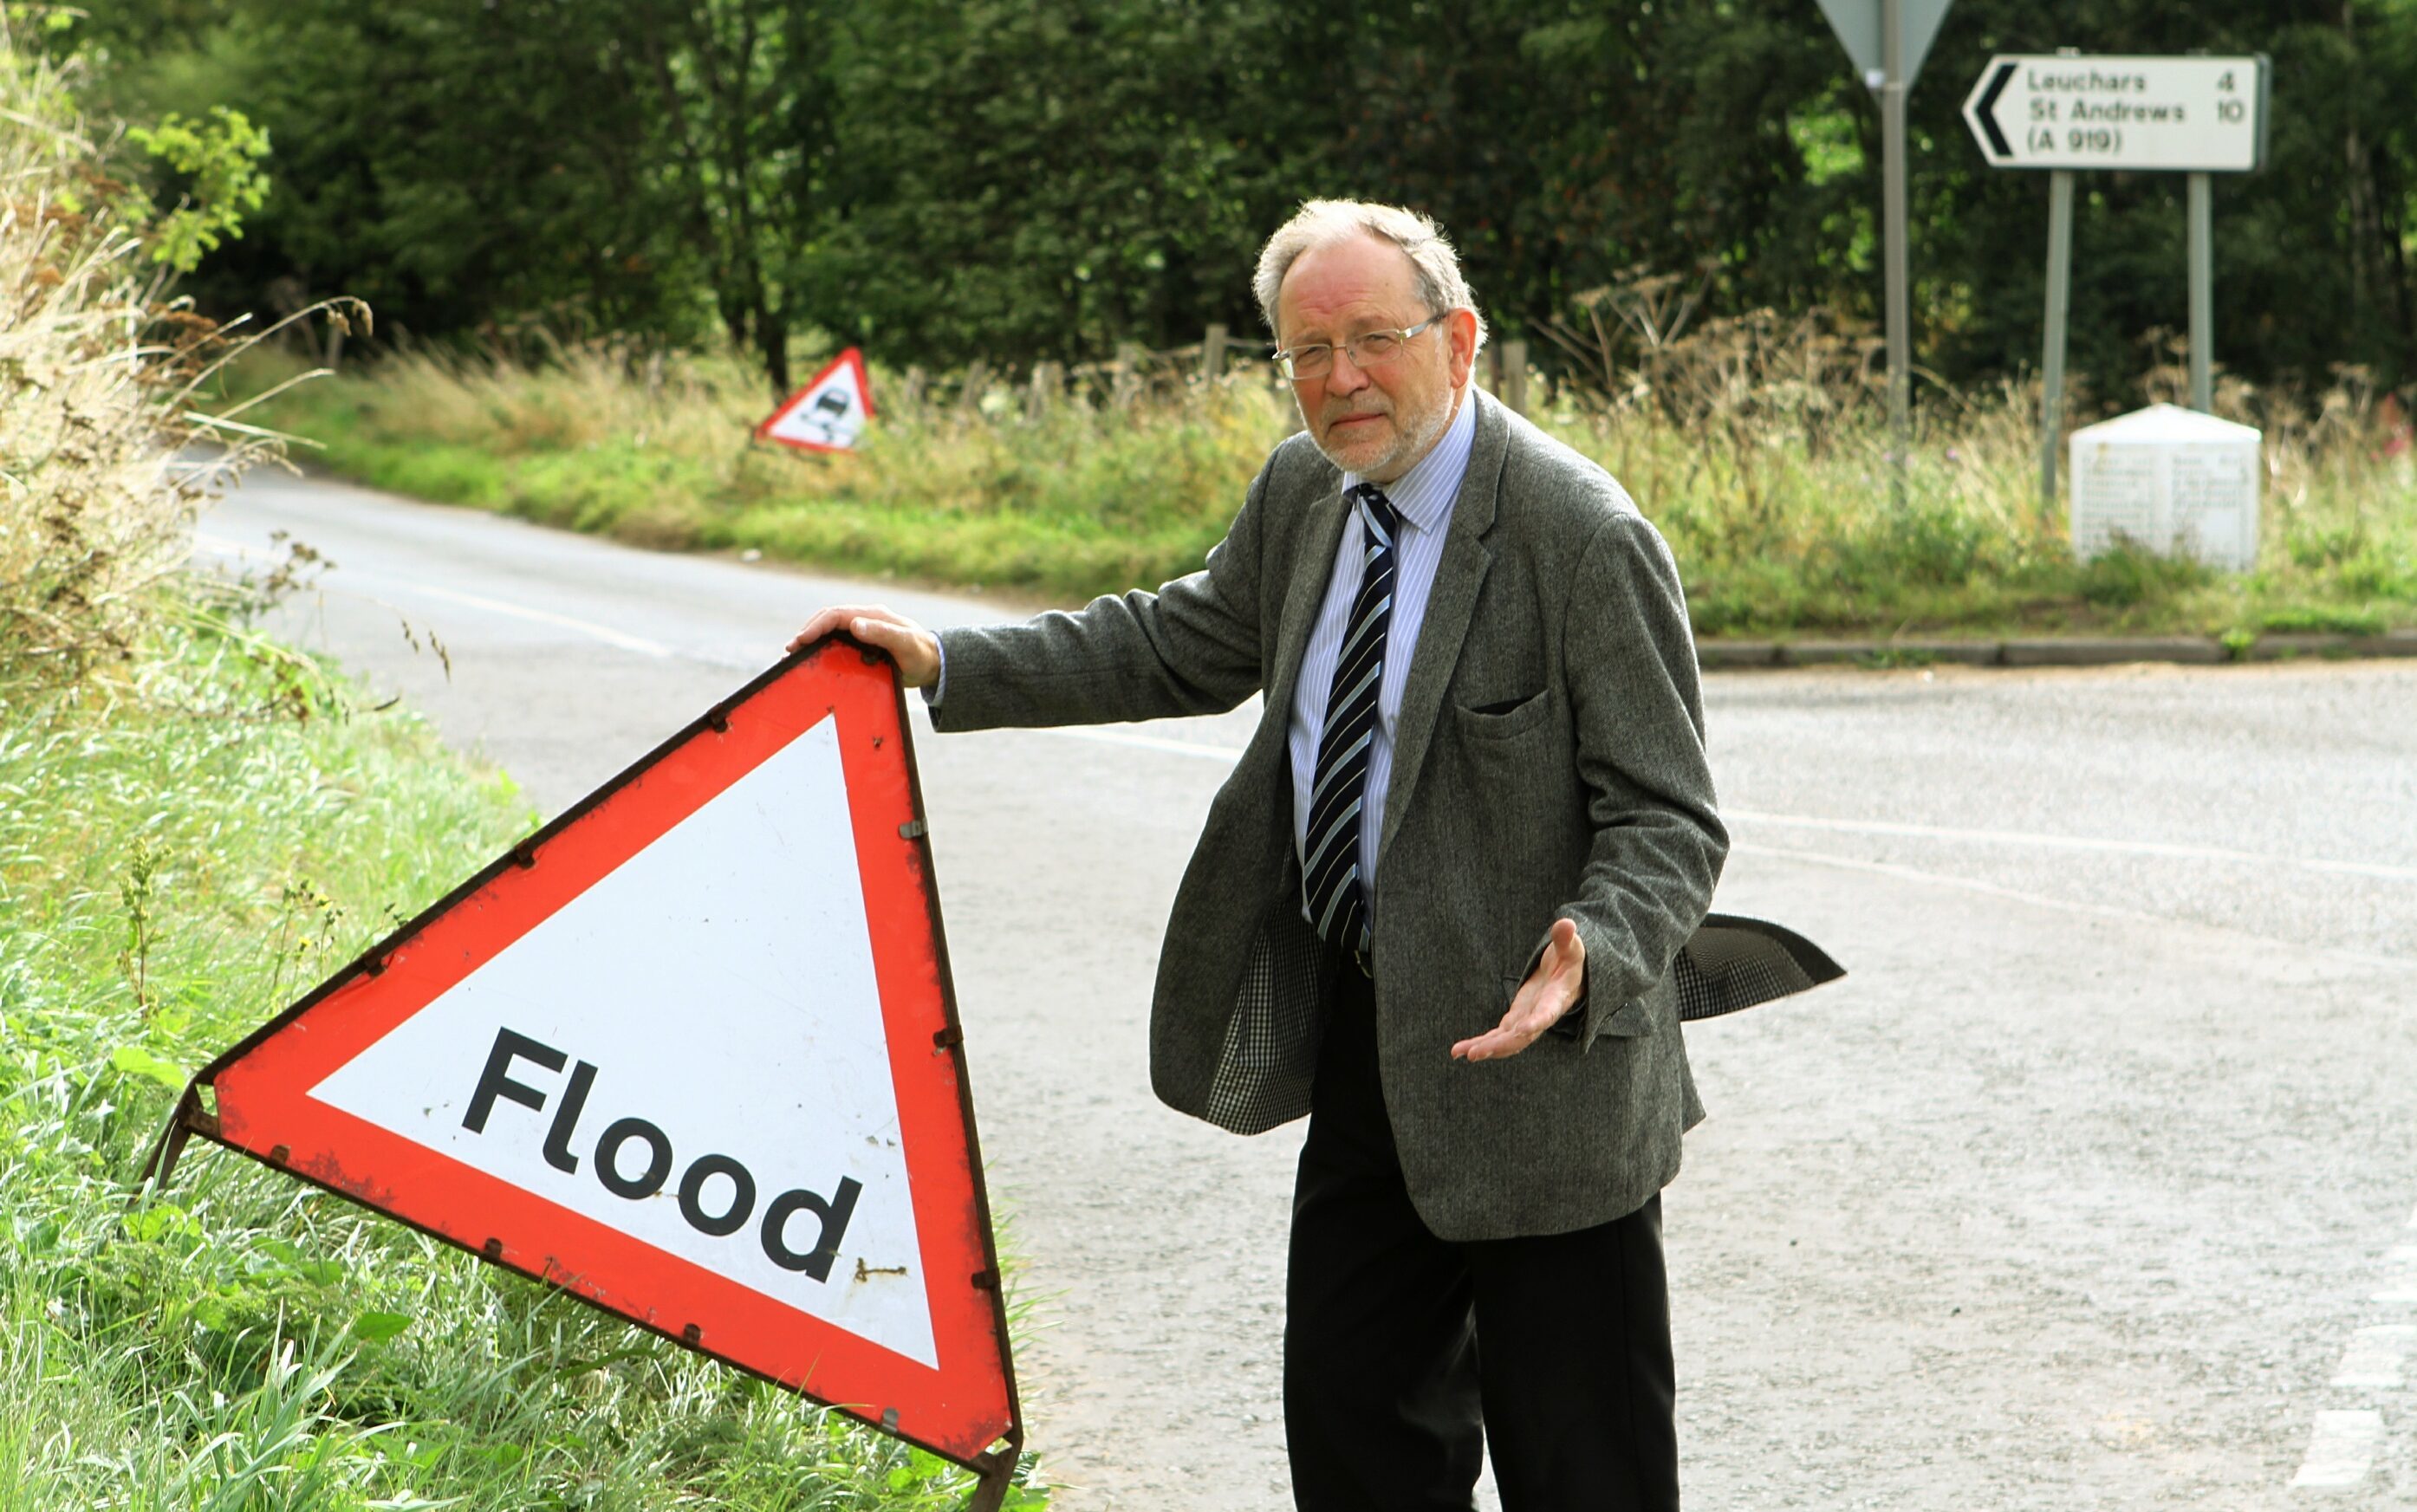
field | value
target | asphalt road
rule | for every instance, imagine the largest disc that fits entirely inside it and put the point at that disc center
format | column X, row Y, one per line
column 2094, row 1184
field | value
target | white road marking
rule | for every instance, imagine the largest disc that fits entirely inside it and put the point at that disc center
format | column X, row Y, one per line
column 219, row 546
column 2405, row 1287
column 2341, row 1449
column 1126, row 736
column 538, row 617
column 1121, row 736
column 2130, row 916
column 2374, row 1356
column 2080, row 842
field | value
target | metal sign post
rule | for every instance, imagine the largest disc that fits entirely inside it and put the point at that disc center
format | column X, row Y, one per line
column 689, row 1053
column 2202, row 295
column 2059, row 305
column 1900, row 302
column 1887, row 40
column 2064, row 112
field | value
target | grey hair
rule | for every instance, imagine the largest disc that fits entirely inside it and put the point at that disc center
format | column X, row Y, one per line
column 1323, row 222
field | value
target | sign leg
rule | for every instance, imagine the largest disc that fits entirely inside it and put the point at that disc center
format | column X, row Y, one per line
column 2060, row 300
column 2202, row 295
column 997, row 1472
column 182, row 1120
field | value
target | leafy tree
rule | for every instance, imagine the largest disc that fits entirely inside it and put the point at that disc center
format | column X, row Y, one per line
column 2310, row 260
column 738, row 131
column 218, row 159
column 463, row 166
column 1025, row 180
column 950, row 179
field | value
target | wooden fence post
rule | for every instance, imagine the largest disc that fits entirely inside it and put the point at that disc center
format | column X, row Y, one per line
column 1127, row 384
column 910, row 390
column 969, row 399
column 1044, row 395
column 1514, row 389
column 1212, row 353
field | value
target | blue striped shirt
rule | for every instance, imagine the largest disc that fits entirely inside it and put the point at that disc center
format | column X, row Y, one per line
column 1424, row 496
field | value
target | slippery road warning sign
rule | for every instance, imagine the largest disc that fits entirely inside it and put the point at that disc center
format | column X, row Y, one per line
column 690, row 1052
column 829, row 413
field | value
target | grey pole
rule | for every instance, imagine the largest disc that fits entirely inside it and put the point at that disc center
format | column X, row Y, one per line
column 2202, row 295
column 1892, row 197
column 2059, row 301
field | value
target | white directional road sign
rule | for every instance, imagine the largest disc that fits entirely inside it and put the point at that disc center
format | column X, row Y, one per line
column 2176, row 115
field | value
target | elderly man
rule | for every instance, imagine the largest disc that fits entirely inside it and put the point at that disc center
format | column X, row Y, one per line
column 1436, row 905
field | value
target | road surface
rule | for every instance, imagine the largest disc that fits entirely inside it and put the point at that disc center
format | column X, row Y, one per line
column 2094, row 1184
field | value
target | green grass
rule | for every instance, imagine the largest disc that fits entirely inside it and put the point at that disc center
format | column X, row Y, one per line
column 183, row 849
column 1779, row 510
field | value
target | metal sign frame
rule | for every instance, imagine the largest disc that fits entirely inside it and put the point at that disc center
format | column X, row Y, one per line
column 858, row 686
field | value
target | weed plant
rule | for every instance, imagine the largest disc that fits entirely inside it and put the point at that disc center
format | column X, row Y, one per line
column 196, row 824
column 1758, row 446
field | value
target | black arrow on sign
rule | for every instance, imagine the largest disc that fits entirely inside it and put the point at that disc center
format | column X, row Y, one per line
column 1989, row 111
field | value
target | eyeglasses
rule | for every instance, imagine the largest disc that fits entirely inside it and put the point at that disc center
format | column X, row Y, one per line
column 1369, row 349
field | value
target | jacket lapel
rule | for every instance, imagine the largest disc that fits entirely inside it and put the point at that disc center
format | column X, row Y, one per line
column 1312, row 566
column 1449, row 604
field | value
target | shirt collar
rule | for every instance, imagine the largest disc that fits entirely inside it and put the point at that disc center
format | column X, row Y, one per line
column 1423, row 494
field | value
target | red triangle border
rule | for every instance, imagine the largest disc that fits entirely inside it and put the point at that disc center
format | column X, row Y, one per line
column 959, row 1410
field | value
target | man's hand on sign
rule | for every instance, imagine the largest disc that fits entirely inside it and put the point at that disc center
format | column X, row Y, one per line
column 914, row 649
column 1550, row 990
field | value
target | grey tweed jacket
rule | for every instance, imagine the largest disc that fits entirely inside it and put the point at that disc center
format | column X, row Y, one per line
column 1548, row 761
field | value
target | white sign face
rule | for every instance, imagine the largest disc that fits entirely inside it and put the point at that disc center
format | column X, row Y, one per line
column 691, row 1051
column 2187, row 115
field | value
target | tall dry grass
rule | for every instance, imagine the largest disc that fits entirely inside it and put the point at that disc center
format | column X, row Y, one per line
column 106, row 450
column 1759, row 445
column 93, row 508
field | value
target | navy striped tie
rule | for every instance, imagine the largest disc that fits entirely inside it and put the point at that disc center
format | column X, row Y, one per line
column 1329, row 869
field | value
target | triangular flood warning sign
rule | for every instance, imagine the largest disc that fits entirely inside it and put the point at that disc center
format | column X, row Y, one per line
column 829, row 412
column 689, row 1052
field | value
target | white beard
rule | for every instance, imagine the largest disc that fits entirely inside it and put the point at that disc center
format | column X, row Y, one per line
column 1411, row 442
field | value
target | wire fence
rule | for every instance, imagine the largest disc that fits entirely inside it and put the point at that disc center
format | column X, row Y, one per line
column 1136, row 375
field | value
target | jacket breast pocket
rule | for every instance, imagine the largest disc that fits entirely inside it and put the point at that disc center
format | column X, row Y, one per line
column 1503, row 719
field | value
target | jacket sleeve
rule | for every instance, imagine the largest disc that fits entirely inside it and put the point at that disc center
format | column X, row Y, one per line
column 1194, row 646
column 1637, row 706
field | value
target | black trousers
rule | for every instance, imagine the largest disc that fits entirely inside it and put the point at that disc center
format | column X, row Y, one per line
column 1403, row 1354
